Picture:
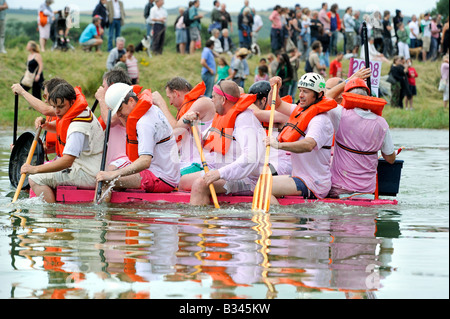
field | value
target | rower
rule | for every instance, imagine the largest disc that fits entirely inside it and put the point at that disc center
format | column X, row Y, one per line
column 361, row 132
column 234, row 147
column 79, row 145
column 150, row 144
column 308, row 135
column 279, row 161
column 186, row 99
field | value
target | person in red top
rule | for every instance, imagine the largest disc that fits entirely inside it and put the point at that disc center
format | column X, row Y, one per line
column 412, row 75
column 336, row 66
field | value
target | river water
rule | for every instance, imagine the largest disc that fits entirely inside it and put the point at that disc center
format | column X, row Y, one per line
column 162, row 251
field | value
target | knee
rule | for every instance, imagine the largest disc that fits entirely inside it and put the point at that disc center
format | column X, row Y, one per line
column 198, row 186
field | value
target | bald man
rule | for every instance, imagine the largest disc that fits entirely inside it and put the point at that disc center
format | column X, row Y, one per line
column 234, row 146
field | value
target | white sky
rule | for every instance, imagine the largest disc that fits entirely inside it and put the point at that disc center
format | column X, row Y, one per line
column 408, row 7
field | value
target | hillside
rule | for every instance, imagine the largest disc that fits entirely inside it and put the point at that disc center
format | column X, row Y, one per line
column 86, row 70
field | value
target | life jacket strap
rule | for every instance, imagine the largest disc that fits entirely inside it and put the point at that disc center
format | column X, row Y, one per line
column 348, row 149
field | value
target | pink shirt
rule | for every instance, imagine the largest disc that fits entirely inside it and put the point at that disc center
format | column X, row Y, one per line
column 323, row 18
column 117, row 143
column 357, row 172
column 314, row 167
column 276, row 20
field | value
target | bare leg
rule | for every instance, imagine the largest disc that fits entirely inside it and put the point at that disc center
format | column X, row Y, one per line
column 200, row 194
column 187, row 180
column 283, row 186
column 49, row 195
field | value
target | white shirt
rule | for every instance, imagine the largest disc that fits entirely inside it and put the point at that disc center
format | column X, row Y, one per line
column 76, row 143
column 116, row 9
column 157, row 13
column 152, row 128
column 426, row 28
column 257, row 23
column 414, row 27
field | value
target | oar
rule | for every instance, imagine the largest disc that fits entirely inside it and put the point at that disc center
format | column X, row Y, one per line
column 29, row 158
column 103, row 163
column 16, row 112
column 366, row 53
column 263, row 190
column 202, row 158
column 94, row 106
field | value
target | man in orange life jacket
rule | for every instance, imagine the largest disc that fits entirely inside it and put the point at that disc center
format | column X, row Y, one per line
column 151, row 146
column 79, row 145
column 308, row 135
column 186, row 99
column 116, row 156
column 42, row 107
column 361, row 132
column 234, row 146
column 279, row 161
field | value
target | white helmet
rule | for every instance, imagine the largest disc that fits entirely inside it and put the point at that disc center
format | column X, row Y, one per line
column 312, row 81
column 115, row 94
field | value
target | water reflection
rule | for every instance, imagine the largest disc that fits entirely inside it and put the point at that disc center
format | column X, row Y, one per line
column 129, row 254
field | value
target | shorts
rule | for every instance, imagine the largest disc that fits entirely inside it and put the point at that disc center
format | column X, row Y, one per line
column 181, row 36
column 193, row 168
column 301, row 186
column 67, row 177
column 194, row 33
column 412, row 89
column 426, row 42
column 89, row 42
column 44, row 32
column 242, row 187
column 152, row 184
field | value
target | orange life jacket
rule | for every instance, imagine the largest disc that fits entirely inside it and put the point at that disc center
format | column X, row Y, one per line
column 287, row 99
column 374, row 104
column 136, row 89
column 190, row 98
column 220, row 134
column 143, row 105
column 50, row 137
column 300, row 118
column 72, row 115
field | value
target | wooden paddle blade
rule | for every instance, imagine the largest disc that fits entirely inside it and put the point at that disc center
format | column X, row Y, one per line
column 263, row 191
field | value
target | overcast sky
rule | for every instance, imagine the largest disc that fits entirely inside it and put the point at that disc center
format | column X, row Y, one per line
column 408, row 7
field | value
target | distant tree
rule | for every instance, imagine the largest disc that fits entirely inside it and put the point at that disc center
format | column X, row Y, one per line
column 442, row 7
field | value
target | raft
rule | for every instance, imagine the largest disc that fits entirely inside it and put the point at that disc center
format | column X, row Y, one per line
column 388, row 185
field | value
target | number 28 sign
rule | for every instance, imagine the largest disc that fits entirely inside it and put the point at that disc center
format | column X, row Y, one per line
column 375, row 66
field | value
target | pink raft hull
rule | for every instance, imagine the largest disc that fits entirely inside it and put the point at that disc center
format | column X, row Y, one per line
column 71, row 194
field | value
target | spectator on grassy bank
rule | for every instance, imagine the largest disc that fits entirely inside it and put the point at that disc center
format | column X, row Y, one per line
column 90, row 38
column 158, row 15
column 45, row 19
column 100, row 10
column 116, row 16
column 195, row 26
column 3, row 7
column 114, row 53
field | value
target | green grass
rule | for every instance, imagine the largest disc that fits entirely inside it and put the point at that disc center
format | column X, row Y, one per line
column 86, row 70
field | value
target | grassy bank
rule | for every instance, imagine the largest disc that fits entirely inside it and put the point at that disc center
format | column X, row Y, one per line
column 86, row 70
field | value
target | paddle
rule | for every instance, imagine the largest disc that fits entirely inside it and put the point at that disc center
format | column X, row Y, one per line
column 202, row 157
column 103, row 163
column 94, row 106
column 29, row 158
column 366, row 53
column 16, row 114
column 263, row 190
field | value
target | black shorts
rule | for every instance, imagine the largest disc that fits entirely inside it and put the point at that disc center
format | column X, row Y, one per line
column 412, row 89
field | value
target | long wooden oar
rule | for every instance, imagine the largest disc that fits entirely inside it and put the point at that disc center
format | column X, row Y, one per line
column 29, row 158
column 103, row 163
column 263, row 190
column 16, row 114
column 202, row 158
